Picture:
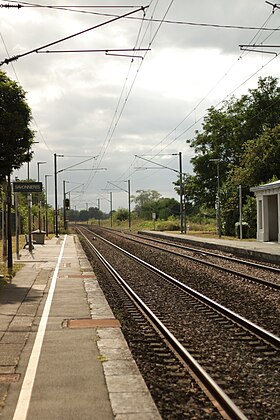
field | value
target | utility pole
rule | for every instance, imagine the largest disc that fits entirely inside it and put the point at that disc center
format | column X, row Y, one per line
column 39, row 197
column 9, row 227
column 98, row 205
column 240, row 212
column 46, row 192
column 17, row 224
column 55, row 197
column 4, row 220
column 181, row 194
column 219, row 230
column 129, row 212
column 55, row 194
column 111, row 207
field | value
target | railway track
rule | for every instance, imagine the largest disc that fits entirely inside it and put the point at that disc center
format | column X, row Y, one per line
column 254, row 300
column 257, row 342
column 213, row 259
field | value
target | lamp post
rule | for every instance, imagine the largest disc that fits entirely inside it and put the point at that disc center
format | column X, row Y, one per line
column 39, row 195
column 219, row 230
column 55, row 194
column 46, row 192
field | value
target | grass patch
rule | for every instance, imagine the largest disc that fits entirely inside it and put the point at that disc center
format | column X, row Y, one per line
column 4, row 274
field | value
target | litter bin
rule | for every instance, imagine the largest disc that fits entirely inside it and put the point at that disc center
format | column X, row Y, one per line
column 38, row 237
column 245, row 228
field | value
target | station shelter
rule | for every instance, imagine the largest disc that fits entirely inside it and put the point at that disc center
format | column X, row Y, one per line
column 268, row 211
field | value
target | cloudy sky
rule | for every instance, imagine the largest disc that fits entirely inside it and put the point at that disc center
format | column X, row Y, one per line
column 116, row 106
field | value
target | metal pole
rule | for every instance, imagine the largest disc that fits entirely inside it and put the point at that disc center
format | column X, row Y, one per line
column 129, row 212
column 181, row 193
column 218, row 213
column 64, row 207
column 46, row 192
column 39, row 198
column 55, row 198
column 9, row 226
column 4, row 213
column 17, row 225
column 111, row 207
column 240, row 211
column 219, row 201
column 98, row 204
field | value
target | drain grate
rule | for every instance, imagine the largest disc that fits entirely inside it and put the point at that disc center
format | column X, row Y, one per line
column 80, row 276
column 93, row 323
column 9, row 377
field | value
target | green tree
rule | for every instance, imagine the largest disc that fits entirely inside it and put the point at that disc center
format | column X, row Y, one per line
column 121, row 214
column 226, row 131
column 166, row 207
column 83, row 215
column 145, row 203
column 95, row 213
column 15, row 134
column 260, row 161
column 243, row 136
column 15, row 141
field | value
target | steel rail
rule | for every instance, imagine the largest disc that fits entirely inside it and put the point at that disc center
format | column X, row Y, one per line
column 213, row 254
column 225, row 402
column 189, row 248
column 260, row 332
column 258, row 280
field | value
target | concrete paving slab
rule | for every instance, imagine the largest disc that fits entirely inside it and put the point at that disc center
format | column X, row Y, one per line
column 132, row 402
column 71, row 380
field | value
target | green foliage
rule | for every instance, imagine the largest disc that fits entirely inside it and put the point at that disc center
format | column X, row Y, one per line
column 150, row 201
column 166, row 207
column 171, row 225
column 260, row 161
column 244, row 135
column 15, row 135
column 145, row 203
column 249, row 215
column 121, row 214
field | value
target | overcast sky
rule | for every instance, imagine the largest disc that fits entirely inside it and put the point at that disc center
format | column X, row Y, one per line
column 113, row 107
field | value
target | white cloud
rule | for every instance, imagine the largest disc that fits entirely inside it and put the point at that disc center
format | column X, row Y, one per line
column 76, row 97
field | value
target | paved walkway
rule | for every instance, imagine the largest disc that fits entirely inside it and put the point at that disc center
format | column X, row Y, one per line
column 62, row 352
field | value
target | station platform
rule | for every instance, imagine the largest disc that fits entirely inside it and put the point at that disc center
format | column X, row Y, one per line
column 62, row 352
column 263, row 251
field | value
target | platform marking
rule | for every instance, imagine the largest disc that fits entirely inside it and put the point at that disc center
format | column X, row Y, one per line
column 28, row 382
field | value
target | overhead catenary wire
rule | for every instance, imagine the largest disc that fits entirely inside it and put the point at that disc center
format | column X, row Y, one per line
column 150, row 44
column 192, row 125
column 118, row 110
column 207, row 95
column 176, row 136
column 165, row 21
column 36, row 50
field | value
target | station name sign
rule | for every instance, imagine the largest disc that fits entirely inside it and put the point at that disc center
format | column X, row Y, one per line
column 28, row 187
